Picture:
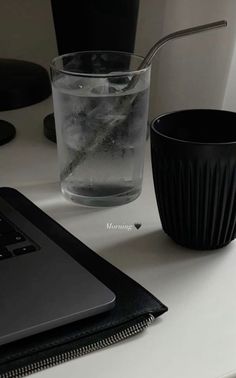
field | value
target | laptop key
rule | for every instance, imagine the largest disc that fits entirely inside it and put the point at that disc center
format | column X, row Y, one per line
column 11, row 238
column 4, row 254
column 23, row 250
column 5, row 228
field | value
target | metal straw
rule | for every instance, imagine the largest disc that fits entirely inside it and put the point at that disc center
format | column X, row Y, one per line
column 178, row 34
column 105, row 132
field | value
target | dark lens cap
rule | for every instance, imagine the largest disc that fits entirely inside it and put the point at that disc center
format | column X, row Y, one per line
column 49, row 127
column 22, row 84
column 7, row 132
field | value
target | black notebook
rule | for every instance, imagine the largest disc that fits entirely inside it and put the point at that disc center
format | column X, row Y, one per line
column 135, row 307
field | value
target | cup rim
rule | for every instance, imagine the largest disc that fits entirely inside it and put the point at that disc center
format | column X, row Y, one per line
column 189, row 142
column 111, row 74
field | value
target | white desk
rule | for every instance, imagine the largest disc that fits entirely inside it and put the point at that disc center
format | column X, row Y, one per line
column 196, row 338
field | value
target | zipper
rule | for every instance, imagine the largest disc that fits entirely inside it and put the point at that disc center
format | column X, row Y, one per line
column 81, row 351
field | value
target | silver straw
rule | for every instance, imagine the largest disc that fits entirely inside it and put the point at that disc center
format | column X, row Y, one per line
column 179, row 34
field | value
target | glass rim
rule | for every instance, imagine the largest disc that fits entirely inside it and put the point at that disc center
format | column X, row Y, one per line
column 110, row 74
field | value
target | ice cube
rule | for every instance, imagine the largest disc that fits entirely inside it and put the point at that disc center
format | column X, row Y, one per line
column 119, row 81
column 76, row 132
column 99, row 86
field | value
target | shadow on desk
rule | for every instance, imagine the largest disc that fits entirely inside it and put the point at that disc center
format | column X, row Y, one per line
column 173, row 273
column 154, row 248
column 49, row 198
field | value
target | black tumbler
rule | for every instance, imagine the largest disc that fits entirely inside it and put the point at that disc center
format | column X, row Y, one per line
column 194, row 172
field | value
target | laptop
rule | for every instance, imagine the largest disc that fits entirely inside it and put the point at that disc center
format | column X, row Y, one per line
column 42, row 286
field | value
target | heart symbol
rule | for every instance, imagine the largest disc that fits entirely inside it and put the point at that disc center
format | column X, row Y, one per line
column 137, row 225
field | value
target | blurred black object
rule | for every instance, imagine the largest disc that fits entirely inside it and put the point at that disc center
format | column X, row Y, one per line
column 49, row 127
column 95, row 25
column 7, row 132
column 92, row 25
column 21, row 84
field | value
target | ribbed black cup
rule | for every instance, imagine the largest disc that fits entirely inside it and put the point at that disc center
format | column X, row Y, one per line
column 194, row 172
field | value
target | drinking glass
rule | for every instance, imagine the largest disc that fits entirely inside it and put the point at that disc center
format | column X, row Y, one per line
column 101, row 112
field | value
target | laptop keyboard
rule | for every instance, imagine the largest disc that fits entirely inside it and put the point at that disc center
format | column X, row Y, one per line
column 12, row 241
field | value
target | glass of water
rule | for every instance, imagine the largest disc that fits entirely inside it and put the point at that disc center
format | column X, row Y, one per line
column 101, row 113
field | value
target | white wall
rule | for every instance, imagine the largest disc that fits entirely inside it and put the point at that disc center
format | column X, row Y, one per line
column 230, row 92
column 191, row 72
column 27, row 31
